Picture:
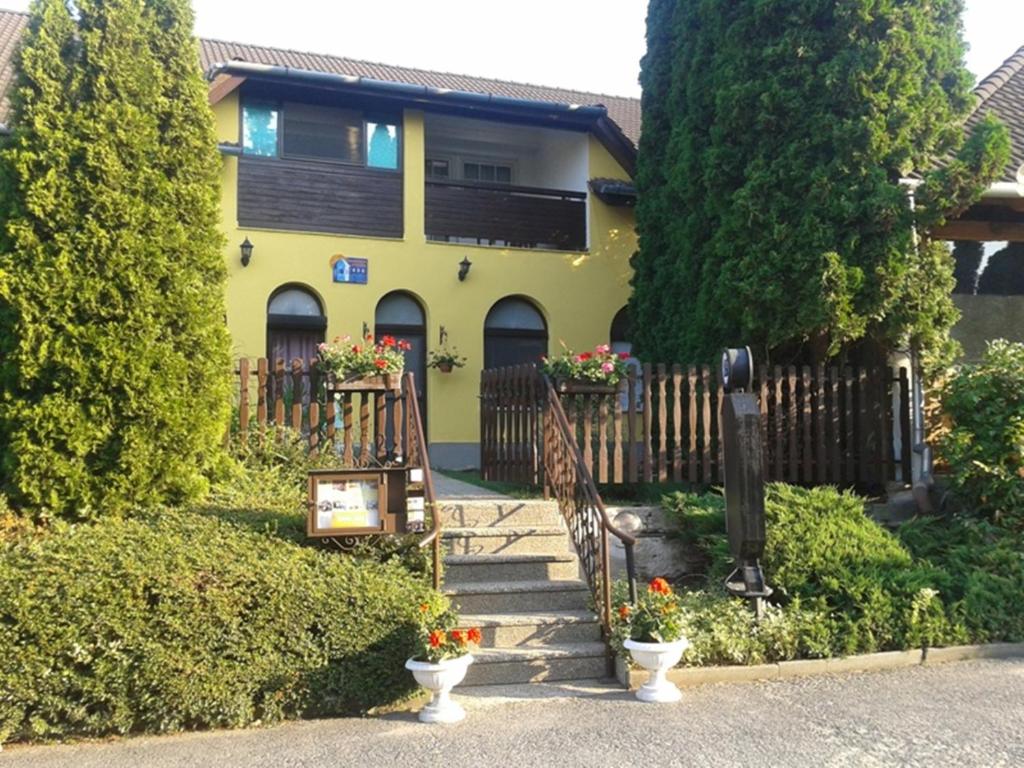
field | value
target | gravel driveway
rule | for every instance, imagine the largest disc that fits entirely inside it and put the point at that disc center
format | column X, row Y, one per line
column 961, row 714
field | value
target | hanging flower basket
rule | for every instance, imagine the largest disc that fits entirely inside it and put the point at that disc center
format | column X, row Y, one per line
column 587, row 373
column 363, row 366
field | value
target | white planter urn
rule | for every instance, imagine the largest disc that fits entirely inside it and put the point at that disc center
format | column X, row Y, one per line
column 439, row 678
column 658, row 659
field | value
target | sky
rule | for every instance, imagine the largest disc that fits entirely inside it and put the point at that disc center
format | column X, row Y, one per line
column 589, row 45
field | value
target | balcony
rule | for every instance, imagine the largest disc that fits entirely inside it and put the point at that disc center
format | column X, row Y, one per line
column 506, row 215
column 506, row 185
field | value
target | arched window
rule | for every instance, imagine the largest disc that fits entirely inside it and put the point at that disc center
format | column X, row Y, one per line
column 621, row 332
column 295, row 323
column 514, row 333
column 399, row 314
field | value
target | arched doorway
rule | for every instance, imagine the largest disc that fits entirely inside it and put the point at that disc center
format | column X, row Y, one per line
column 399, row 314
column 295, row 323
column 620, row 335
column 514, row 333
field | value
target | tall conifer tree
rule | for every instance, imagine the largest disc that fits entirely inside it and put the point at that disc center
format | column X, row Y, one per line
column 775, row 135
column 114, row 354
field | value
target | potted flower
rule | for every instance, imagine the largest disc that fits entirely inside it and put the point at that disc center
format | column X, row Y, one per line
column 652, row 632
column 364, row 364
column 441, row 663
column 599, row 371
column 445, row 360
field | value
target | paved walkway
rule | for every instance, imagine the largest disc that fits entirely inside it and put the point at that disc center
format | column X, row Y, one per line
column 450, row 488
column 961, row 714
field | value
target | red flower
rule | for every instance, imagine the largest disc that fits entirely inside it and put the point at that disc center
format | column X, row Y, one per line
column 404, row 345
column 369, row 337
column 474, row 635
column 388, row 341
column 623, row 611
column 623, row 355
column 436, row 638
column 459, row 636
column 660, row 586
column 381, row 364
column 356, row 348
column 584, row 356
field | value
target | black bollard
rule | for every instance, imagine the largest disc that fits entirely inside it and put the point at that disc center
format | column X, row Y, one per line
column 744, row 479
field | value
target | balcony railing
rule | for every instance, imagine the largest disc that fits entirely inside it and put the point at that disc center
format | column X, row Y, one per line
column 502, row 214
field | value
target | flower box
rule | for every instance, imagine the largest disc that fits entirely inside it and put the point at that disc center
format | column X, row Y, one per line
column 584, row 387
column 388, row 382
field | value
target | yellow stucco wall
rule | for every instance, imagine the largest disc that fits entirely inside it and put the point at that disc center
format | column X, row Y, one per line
column 579, row 293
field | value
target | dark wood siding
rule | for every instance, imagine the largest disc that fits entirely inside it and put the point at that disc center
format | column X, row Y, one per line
column 520, row 216
column 319, row 197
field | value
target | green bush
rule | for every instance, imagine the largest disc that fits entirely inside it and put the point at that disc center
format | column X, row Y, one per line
column 181, row 620
column 857, row 587
column 985, row 446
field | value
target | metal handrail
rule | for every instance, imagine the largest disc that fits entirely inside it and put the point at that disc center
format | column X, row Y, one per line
column 433, row 537
column 585, row 516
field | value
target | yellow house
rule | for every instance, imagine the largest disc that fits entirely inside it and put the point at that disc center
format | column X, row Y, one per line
column 452, row 211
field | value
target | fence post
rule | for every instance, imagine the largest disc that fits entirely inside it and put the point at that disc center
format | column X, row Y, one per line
column 243, row 400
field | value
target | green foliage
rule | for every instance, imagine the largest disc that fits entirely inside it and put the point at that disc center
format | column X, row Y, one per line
column 1004, row 273
column 774, row 137
column 985, row 445
column 853, row 586
column 114, row 357
column 982, row 569
column 967, row 255
column 177, row 621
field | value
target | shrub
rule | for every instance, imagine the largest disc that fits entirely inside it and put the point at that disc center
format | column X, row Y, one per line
column 180, row 620
column 114, row 354
column 862, row 588
column 985, row 445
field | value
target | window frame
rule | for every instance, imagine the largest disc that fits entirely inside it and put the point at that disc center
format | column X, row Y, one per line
column 365, row 116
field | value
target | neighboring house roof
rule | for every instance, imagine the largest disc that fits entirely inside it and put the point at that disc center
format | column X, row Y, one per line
column 625, row 112
column 1002, row 94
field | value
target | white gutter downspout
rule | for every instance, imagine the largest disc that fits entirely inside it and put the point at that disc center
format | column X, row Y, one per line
column 921, row 462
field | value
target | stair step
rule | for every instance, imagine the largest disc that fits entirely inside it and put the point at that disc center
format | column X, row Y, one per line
column 566, row 661
column 460, row 569
column 494, row 513
column 490, row 597
column 509, row 630
column 537, row 539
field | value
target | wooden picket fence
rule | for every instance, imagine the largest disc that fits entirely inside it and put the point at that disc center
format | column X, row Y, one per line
column 843, row 426
column 362, row 428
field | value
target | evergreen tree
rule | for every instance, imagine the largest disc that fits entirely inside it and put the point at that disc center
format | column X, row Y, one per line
column 967, row 256
column 114, row 354
column 775, row 135
column 1004, row 274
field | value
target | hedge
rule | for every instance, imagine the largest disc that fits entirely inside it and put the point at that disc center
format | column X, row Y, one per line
column 183, row 620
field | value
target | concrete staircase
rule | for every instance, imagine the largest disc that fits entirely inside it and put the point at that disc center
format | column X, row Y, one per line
column 510, row 570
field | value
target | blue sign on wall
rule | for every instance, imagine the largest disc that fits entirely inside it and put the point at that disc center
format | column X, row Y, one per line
column 345, row 269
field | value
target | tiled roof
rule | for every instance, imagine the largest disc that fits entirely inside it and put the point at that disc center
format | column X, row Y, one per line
column 624, row 111
column 1002, row 93
column 12, row 24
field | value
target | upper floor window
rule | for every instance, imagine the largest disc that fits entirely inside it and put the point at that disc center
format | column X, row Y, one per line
column 493, row 172
column 314, row 132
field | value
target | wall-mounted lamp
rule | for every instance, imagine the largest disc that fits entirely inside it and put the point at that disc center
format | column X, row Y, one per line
column 366, row 329
column 464, row 266
column 443, row 336
column 246, row 248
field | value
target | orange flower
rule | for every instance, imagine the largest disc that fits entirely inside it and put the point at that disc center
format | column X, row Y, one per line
column 436, row 638
column 380, row 363
column 659, row 586
column 424, row 607
column 459, row 636
column 624, row 611
column 474, row 635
